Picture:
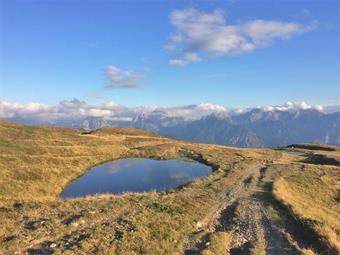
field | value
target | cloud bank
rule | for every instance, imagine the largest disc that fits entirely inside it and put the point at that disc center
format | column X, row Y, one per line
column 201, row 34
column 110, row 110
column 76, row 109
column 65, row 109
column 292, row 106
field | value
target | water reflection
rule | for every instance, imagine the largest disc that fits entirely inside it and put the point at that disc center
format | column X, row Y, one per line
column 135, row 175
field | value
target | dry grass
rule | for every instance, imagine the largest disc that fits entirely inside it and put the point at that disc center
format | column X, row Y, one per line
column 312, row 193
column 36, row 163
column 218, row 244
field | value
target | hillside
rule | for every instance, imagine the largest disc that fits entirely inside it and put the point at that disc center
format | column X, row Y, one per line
column 256, row 201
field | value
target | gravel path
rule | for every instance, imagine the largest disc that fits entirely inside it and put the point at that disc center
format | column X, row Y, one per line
column 245, row 216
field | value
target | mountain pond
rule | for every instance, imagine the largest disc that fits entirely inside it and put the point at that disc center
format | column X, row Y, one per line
column 135, row 175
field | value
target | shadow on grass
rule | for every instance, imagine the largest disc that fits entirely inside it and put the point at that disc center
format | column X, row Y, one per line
column 320, row 160
column 301, row 230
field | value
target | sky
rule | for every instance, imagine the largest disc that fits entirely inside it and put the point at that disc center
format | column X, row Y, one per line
column 170, row 53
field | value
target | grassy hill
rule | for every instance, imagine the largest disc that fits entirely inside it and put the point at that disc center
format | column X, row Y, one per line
column 256, row 201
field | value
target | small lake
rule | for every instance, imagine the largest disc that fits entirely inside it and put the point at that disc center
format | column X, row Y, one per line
column 135, row 175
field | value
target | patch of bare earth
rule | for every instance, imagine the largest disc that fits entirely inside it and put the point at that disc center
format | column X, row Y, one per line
column 249, row 218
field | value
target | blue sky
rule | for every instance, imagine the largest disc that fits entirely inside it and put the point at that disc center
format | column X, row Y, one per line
column 145, row 52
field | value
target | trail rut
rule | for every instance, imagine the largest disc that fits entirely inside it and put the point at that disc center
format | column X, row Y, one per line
column 245, row 216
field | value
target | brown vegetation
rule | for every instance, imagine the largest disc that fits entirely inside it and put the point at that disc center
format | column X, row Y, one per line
column 256, row 201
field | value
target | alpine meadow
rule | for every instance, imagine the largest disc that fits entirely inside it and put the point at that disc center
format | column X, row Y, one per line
column 169, row 127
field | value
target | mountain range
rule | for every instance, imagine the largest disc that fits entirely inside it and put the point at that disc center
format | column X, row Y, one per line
column 270, row 126
column 256, row 128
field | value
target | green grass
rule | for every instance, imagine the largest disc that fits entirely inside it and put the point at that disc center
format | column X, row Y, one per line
column 313, row 196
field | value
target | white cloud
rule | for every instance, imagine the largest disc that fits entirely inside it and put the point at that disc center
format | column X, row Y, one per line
column 200, row 34
column 184, row 59
column 193, row 111
column 123, row 79
column 65, row 109
column 112, row 105
column 77, row 110
column 292, row 107
column 211, row 107
column 95, row 112
column 9, row 109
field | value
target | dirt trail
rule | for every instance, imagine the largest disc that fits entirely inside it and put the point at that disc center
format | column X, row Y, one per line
column 245, row 216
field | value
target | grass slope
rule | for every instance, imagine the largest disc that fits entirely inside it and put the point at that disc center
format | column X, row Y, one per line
column 36, row 163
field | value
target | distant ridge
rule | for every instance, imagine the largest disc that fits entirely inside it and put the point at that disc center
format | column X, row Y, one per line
column 270, row 126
